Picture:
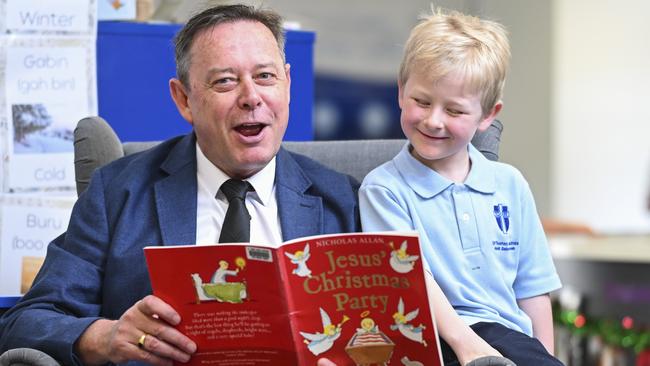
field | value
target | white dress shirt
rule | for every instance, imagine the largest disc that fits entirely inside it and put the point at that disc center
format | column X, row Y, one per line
column 261, row 204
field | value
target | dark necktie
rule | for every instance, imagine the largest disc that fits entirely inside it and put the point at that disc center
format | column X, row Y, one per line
column 236, row 226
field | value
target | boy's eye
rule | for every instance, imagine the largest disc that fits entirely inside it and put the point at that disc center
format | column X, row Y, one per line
column 455, row 112
column 421, row 102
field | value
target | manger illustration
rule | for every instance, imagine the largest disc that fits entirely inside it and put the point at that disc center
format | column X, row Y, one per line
column 400, row 261
column 319, row 342
column 299, row 258
column 219, row 289
column 369, row 346
column 402, row 324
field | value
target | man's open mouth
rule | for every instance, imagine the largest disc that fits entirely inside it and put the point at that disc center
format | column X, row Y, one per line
column 250, row 129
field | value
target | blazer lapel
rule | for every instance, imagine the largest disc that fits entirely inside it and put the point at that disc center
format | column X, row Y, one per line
column 300, row 213
column 175, row 195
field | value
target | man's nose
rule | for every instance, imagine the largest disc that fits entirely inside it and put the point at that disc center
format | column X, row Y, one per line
column 249, row 97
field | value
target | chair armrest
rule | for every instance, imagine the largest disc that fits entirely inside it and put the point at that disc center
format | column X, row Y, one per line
column 95, row 145
column 26, row 357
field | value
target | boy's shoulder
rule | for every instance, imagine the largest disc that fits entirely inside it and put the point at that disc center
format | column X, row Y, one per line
column 390, row 175
column 504, row 169
column 507, row 180
column 507, row 173
column 385, row 174
column 502, row 172
column 395, row 174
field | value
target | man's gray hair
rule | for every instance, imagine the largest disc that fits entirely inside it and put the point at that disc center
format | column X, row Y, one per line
column 216, row 15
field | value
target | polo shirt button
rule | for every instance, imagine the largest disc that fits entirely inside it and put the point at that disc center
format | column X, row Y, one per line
column 465, row 217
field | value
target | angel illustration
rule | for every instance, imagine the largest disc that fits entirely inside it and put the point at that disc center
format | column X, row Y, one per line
column 408, row 330
column 300, row 259
column 401, row 261
column 322, row 342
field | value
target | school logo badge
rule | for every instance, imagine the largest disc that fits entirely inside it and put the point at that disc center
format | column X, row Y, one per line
column 503, row 217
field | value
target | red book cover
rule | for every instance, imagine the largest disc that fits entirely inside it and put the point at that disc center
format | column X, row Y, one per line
column 357, row 299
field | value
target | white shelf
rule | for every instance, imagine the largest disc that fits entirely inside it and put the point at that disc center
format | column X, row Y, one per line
column 602, row 248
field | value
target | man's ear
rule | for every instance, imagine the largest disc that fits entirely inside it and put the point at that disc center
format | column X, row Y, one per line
column 487, row 120
column 287, row 72
column 180, row 97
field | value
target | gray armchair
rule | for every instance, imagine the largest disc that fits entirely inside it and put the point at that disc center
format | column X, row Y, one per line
column 26, row 357
column 96, row 144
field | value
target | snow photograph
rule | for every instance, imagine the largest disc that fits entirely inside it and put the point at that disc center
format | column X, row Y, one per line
column 38, row 130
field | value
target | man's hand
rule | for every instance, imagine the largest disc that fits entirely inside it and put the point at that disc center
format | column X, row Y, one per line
column 117, row 341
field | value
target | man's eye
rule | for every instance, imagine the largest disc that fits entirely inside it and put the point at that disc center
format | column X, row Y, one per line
column 223, row 81
column 265, row 76
column 223, row 84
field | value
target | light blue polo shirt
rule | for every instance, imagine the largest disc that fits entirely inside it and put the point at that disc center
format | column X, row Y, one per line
column 482, row 240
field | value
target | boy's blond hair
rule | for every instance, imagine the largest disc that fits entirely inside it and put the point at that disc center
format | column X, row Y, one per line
column 444, row 43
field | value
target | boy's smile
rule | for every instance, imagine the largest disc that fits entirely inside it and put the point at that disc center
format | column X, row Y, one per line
column 440, row 118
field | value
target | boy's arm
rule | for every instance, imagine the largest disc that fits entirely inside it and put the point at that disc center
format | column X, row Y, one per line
column 380, row 211
column 467, row 345
column 536, row 275
column 538, row 308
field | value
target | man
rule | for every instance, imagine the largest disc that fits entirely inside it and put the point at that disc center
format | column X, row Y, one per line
column 91, row 302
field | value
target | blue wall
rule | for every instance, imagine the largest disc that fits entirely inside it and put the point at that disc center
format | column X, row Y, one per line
column 135, row 62
column 348, row 108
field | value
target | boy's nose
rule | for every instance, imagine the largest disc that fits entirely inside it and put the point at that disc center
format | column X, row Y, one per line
column 435, row 120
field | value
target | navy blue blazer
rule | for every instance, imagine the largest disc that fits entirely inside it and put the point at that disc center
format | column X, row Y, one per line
column 97, row 268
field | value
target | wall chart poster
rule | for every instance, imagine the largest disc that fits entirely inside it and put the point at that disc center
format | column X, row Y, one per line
column 49, row 86
column 28, row 223
column 48, row 80
column 61, row 17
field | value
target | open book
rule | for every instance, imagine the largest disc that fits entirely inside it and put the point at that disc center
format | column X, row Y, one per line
column 353, row 298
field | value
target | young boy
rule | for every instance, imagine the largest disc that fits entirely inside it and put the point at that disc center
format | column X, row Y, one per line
column 479, row 229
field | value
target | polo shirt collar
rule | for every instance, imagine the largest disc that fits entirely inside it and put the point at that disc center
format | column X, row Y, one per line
column 427, row 183
column 214, row 177
column 481, row 176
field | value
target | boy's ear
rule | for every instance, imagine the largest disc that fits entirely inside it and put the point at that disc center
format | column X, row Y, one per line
column 400, row 94
column 487, row 120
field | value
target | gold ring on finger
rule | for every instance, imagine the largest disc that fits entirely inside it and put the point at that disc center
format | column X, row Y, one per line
column 141, row 340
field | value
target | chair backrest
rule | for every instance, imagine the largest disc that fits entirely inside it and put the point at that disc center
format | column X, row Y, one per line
column 96, row 144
